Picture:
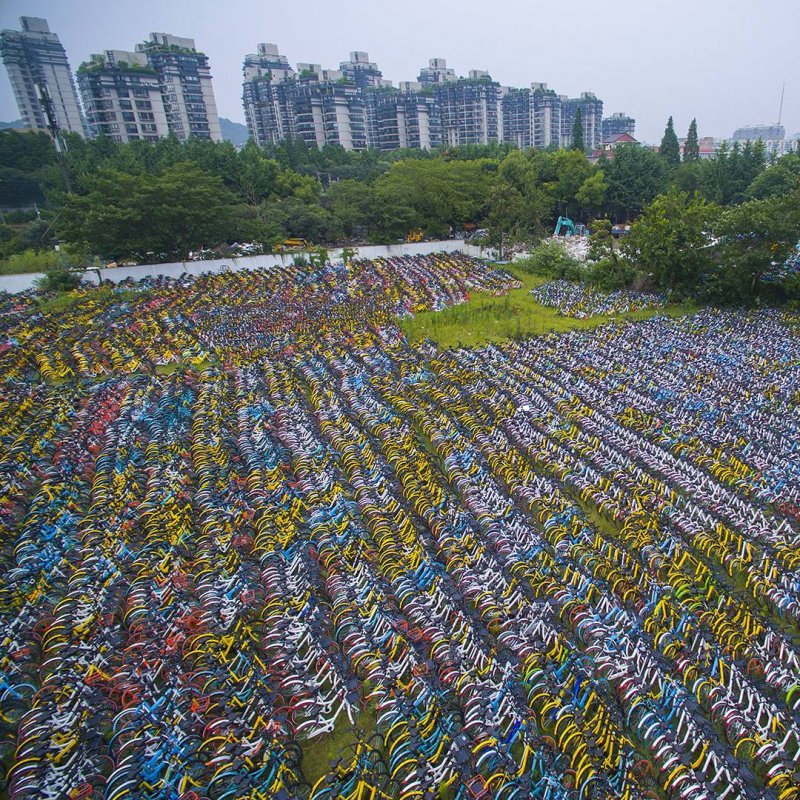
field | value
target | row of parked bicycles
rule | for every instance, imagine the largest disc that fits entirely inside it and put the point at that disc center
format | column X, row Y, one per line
column 580, row 301
column 561, row 568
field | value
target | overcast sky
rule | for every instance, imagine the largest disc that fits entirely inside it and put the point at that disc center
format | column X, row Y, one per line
column 722, row 61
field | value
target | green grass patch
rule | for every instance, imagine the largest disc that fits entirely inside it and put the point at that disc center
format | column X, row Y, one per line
column 318, row 754
column 516, row 315
column 55, row 305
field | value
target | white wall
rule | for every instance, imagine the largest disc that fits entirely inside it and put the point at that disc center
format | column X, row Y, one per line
column 19, row 283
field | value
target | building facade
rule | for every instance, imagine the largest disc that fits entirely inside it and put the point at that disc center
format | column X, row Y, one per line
column 268, row 96
column 532, row 117
column 355, row 107
column 773, row 137
column 186, row 89
column 40, row 76
column 616, row 125
column 470, row 109
column 121, row 94
column 591, row 118
column 407, row 119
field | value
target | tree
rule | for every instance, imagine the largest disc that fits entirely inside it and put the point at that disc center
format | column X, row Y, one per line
column 755, row 238
column 672, row 240
column 351, row 203
column 691, row 150
column 670, row 149
column 445, row 194
column 592, row 194
column 578, row 142
column 507, row 221
column 571, row 169
column 635, row 176
column 780, row 178
column 145, row 217
column 726, row 178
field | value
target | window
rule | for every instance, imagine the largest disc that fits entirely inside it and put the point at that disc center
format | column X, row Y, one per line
column 125, row 105
column 128, row 116
column 144, row 104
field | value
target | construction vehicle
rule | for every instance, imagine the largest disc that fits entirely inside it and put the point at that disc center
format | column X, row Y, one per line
column 294, row 244
column 415, row 236
column 566, row 224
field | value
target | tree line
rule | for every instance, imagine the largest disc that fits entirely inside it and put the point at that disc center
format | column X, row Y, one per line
column 142, row 202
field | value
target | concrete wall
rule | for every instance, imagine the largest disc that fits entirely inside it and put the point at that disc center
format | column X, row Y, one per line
column 19, row 283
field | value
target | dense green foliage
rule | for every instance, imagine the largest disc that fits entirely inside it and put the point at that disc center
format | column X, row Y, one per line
column 691, row 149
column 144, row 202
column 578, row 142
column 670, row 149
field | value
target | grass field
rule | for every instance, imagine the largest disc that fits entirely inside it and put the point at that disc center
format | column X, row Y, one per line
column 485, row 318
column 318, row 754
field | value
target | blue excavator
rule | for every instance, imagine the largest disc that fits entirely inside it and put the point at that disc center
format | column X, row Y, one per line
column 566, row 225
column 569, row 228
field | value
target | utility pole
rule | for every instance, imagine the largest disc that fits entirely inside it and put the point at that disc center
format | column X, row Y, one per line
column 43, row 95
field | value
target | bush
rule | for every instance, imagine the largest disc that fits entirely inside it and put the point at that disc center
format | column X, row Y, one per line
column 612, row 273
column 552, row 260
column 39, row 261
column 59, row 279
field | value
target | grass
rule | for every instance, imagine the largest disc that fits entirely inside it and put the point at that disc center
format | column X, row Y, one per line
column 318, row 754
column 486, row 318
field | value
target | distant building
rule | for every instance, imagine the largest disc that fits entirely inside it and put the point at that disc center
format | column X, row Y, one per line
column 707, row 147
column 362, row 72
column 608, row 146
column 436, row 73
column 121, row 93
column 357, row 108
column 773, row 136
column 39, row 73
column 408, row 119
column 591, row 118
column 366, row 76
column 268, row 96
column 328, row 109
column 532, row 117
column 470, row 109
column 616, row 124
column 185, row 78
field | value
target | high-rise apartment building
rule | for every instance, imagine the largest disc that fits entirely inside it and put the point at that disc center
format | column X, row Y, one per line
column 436, row 72
column 408, row 118
column 185, row 79
column 369, row 80
column 362, row 72
column 355, row 107
column 122, row 97
column 616, row 125
column 591, row 119
column 40, row 76
column 328, row 109
column 532, row 117
column 773, row 137
column 470, row 109
column 268, row 95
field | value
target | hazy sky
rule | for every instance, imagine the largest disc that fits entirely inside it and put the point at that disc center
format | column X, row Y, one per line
column 722, row 61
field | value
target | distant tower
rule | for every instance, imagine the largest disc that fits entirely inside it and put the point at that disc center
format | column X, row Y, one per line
column 40, row 76
column 122, row 97
column 185, row 79
column 268, row 90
